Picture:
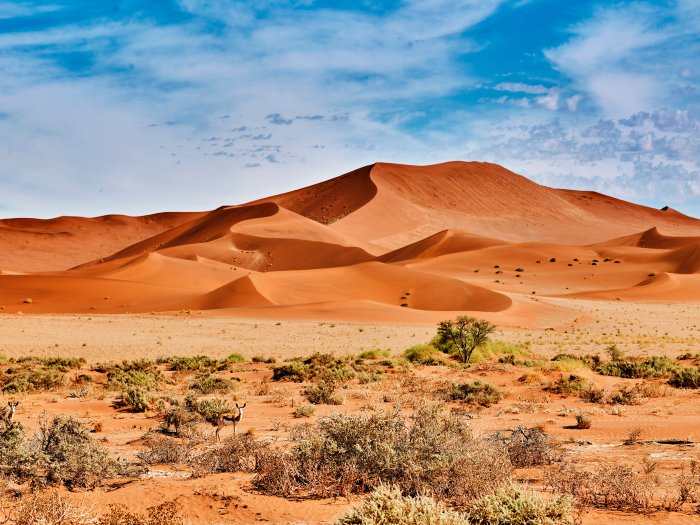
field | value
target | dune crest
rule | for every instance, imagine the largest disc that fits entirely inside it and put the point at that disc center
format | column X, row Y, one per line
column 385, row 241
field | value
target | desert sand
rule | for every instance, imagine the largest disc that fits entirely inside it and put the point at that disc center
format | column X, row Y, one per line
column 369, row 260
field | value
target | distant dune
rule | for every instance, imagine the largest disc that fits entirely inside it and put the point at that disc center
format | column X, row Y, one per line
column 385, row 241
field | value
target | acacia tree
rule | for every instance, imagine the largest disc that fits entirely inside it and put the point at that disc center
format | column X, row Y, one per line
column 466, row 333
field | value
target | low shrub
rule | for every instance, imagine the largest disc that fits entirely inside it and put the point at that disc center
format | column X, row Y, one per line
column 328, row 365
column 210, row 384
column 209, row 408
column 182, row 420
column 44, row 507
column 238, row 453
column 138, row 373
column 652, row 367
column 67, row 454
column 322, row 393
column 262, row 359
column 609, row 486
column 375, row 353
column 32, row 379
column 424, row 355
column 136, row 398
column 511, row 505
column 191, row 363
column 686, row 378
column 166, row 450
column 583, row 421
column 303, row 411
column 427, row 453
column 568, row 386
column 530, row 447
column 474, row 393
column 387, row 506
column 168, row 513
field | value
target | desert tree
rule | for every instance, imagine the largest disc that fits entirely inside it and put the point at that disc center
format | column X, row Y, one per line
column 466, row 333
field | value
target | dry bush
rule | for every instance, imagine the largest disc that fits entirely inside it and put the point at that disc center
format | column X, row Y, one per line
column 611, row 487
column 530, row 447
column 68, row 454
column 583, row 421
column 511, row 505
column 183, row 421
column 427, row 453
column 168, row 513
column 43, row 508
column 167, row 450
column 61, row 452
column 387, row 506
column 238, row 453
column 323, row 392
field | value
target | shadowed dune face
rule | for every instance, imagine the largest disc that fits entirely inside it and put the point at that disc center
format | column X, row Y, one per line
column 386, row 241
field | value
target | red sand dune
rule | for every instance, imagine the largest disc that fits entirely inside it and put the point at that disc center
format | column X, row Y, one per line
column 39, row 245
column 385, row 241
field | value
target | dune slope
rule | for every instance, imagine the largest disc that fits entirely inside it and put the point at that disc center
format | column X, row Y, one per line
column 384, row 241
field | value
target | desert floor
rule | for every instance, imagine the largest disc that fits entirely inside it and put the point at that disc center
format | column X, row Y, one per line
column 639, row 329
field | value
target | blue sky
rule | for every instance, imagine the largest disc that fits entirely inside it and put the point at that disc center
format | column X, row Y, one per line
column 137, row 107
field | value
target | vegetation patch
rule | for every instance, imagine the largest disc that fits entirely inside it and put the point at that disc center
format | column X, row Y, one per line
column 428, row 453
column 474, row 393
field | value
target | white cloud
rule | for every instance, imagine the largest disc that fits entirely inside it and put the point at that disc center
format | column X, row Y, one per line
column 549, row 101
column 606, row 58
column 573, row 102
column 518, row 87
column 70, row 140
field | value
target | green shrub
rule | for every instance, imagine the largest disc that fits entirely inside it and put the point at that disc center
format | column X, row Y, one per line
column 511, row 505
column 686, row 378
column 587, row 361
column 261, row 359
column 510, row 352
column 32, row 379
column 424, row 355
column 136, row 398
column 191, row 363
column 61, row 363
column 386, row 506
column 328, row 365
column 211, row 384
column 236, row 358
column 208, row 408
column 474, row 393
column 141, row 373
column 375, row 353
column 652, row 367
column 571, row 385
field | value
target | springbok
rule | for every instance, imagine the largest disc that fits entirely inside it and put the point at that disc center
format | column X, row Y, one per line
column 9, row 413
column 229, row 416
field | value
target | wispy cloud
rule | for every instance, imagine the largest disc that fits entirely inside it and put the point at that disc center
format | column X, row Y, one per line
column 107, row 109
